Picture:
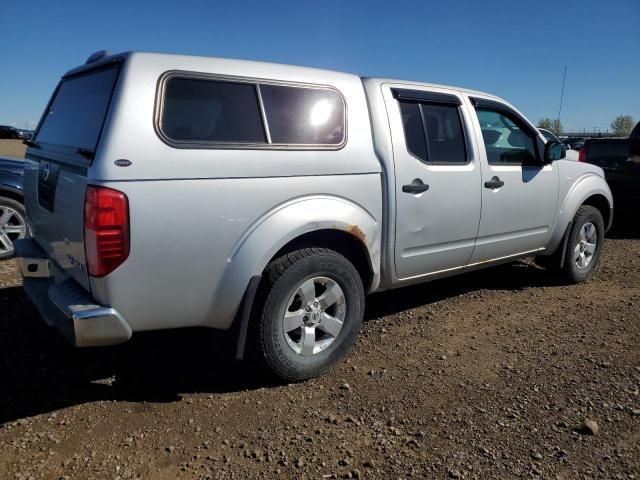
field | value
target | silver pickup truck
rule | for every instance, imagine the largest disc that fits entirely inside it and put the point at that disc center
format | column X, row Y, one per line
column 267, row 200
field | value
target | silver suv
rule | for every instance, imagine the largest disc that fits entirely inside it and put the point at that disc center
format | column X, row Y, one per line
column 267, row 200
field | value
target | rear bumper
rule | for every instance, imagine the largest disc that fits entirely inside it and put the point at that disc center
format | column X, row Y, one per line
column 64, row 304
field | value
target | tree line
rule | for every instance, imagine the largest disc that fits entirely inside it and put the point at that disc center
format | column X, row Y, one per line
column 621, row 125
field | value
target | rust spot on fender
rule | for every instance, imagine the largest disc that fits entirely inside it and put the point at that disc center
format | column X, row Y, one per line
column 356, row 232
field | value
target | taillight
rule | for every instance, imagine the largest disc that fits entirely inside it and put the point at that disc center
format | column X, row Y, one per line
column 582, row 154
column 106, row 229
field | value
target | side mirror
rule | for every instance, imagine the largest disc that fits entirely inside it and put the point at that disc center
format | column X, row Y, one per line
column 554, row 151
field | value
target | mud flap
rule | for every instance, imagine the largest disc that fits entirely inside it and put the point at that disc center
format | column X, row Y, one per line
column 565, row 241
column 231, row 343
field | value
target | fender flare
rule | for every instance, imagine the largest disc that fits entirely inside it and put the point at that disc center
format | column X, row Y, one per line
column 586, row 186
column 279, row 226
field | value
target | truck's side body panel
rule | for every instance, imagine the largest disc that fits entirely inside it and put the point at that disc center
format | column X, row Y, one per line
column 197, row 243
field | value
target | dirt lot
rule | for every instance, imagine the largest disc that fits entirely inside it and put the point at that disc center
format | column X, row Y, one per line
column 12, row 148
column 489, row 375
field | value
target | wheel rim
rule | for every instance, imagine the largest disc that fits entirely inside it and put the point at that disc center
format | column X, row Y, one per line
column 12, row 228
column 314, row 316
column 586, row 247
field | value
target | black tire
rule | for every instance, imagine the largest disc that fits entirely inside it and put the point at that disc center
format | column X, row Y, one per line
column 585, row 215
column 19, row 209
column 281, row 280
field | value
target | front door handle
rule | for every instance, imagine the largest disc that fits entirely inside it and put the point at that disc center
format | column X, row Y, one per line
column 495, row 182
column 415, row 187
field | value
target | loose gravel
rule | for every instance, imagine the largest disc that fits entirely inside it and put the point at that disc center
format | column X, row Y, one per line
column 502, row 373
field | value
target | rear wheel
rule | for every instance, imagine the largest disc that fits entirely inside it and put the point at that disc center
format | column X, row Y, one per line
column 311, row 314
column 13, row 225
column 585, row 244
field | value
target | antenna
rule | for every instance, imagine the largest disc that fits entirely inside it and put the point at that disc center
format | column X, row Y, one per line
column 564, row 77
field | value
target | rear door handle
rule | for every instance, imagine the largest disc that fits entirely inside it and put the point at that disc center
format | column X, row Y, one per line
column 495, row 182
column 415, row 187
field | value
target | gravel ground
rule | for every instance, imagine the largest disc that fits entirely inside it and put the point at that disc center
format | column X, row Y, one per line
column 497, row 374
column 12, row 148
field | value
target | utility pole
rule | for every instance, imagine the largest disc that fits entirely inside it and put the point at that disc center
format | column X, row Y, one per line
column 564, row 77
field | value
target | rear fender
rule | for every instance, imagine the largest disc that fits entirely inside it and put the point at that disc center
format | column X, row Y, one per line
column 284, row 223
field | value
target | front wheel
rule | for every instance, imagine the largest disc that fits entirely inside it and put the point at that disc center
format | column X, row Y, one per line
column 311, row 314
column 585, row 244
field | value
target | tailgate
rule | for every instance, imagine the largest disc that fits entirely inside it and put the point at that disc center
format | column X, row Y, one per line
column 55, row 206
column 55, row 177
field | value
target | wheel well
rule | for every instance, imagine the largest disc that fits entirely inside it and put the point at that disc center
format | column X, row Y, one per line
column 602, row 204
column 340, row 241
column 12, row 195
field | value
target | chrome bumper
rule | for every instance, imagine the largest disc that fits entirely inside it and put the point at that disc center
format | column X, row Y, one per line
column 65, row 304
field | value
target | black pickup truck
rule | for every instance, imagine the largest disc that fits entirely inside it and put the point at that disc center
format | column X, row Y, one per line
column 620, row 160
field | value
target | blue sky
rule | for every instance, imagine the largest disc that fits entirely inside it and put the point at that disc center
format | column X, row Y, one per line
column 514, row 49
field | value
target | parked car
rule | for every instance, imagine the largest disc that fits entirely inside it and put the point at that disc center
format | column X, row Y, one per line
column 13, row 224
column 574, row 143
column 301, row 191
column 7, row 132
column 620, row 160
column 549, row 136
column 24, row 134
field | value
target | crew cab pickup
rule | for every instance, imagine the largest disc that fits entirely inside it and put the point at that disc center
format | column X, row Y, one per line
column 619, row 158
column 267, row 200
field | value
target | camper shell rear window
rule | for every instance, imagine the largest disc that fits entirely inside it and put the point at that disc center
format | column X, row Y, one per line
column 77, row 110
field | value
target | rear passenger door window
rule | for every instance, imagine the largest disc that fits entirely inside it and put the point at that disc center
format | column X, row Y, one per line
column 433, row 132
column 505, row 141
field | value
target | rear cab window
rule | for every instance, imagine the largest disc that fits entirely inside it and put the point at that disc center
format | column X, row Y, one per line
column 194, row 111
column 73, row 121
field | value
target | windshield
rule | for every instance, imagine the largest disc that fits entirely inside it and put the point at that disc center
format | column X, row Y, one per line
column 78, row 109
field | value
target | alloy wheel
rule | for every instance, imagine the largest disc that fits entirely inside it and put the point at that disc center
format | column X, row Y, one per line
column 314, row 316
column 586, row 247
column 12, row 227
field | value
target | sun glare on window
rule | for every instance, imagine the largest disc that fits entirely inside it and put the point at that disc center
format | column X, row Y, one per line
column 320, row 113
